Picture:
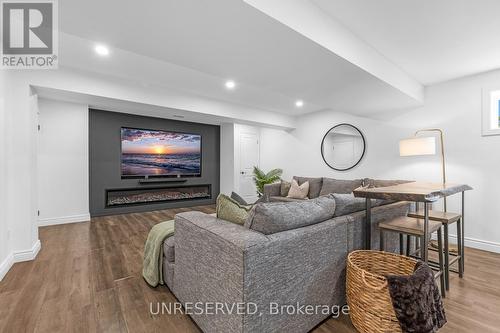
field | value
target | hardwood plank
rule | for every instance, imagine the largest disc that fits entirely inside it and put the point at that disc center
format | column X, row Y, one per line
column 7, row 299
column 26, row 309
column 109, row 316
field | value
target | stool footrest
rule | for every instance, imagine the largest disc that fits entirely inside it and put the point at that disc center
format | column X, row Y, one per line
column 409, row 225
column 436, row 215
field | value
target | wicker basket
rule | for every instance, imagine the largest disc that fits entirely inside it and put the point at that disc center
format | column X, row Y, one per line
column 370, row 304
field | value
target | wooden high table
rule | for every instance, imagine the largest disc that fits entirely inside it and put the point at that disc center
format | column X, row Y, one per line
column 414, row 191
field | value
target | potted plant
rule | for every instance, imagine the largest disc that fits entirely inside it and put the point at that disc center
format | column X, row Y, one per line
column 261, row 178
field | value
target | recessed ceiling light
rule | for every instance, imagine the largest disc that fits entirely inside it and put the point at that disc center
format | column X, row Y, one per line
column 299, row 103
column 101, row 50
column 230, row 84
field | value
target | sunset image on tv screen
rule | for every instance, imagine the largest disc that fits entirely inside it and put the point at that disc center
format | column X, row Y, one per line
column 156, row 153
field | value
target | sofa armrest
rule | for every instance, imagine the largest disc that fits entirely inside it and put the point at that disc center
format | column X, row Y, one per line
column 232, row 234
column 209, row 266
column 272, row 190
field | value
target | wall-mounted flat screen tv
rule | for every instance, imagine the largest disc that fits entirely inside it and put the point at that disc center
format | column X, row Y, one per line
column 157, row 153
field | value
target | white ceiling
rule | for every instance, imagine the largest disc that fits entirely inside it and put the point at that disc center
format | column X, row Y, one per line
column 201, row 43
column 195, row 45
column 432, row 40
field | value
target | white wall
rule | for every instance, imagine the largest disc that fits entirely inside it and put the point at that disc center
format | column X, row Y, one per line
column 5, row 261
column 455, row 107
column 63, row 165
column 20, row 165
column 298, row 152
column 227, row 161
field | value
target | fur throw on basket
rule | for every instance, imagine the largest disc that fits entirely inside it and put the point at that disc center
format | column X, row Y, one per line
column 417, row 301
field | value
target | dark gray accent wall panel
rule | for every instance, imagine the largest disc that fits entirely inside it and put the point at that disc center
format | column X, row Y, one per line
column 105, row 159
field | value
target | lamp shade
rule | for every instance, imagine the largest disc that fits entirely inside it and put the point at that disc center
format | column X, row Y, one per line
column 417, row 146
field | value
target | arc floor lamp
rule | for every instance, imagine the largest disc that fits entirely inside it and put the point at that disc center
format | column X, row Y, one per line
column 426, row 145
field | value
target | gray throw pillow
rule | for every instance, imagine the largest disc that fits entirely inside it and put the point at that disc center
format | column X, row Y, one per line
column 285, row 188
column 236, row 197
column 314, row 185
column 331, row 185
column 348, row 204
column 273, row 217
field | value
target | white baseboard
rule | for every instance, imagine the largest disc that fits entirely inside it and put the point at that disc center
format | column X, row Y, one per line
column 479, row 244
column 19, row 256
column 6, row 265
column 27, row 255
column 476, row 243
column 64, row 219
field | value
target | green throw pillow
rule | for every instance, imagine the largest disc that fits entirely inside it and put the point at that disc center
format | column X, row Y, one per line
column 229, row 210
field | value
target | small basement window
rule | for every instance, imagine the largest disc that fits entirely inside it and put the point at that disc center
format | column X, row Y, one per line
column 491, row 112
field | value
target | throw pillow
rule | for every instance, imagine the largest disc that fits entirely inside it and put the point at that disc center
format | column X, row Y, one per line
column 285, row 188
column 236, row 197
column 298, row 192
column 273, row 217
column 348, row 204
column 331, row 185
column 230, row 210
column 314, row 185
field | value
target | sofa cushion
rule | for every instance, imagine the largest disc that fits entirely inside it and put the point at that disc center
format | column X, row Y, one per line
column 229, row 210
column 298, row 192
column 370, row 182
column 169, row 249
column 273, row 217
column 348, row 203
column 285, row 188
column 314, row 185
column 272, row 189
column 331, row 185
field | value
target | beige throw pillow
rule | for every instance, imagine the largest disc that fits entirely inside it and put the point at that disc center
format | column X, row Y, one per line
column 298, row 192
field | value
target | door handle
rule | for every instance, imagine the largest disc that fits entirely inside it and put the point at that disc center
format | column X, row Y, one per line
column 242, row 172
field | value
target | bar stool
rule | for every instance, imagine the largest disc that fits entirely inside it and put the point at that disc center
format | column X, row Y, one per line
column 411, row 226
column 447, row 218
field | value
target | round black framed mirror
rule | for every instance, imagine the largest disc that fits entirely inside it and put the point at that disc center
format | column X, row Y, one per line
column 343, row 147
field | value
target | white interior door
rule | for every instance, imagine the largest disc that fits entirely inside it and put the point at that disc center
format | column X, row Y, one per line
column 249, row 157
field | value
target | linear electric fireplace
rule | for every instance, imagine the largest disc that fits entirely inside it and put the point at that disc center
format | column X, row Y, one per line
column 140, row 196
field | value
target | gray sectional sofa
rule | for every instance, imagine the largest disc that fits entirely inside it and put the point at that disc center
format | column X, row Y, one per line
column 213, row 260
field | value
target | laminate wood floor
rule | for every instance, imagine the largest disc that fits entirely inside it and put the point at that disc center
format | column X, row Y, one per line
column 87, row 278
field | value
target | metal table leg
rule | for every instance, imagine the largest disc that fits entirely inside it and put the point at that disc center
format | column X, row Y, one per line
column 401, row 245
column 463, row 232
column 460, row 248
column 368, row 225
column 446, row 256
column 425, row 246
